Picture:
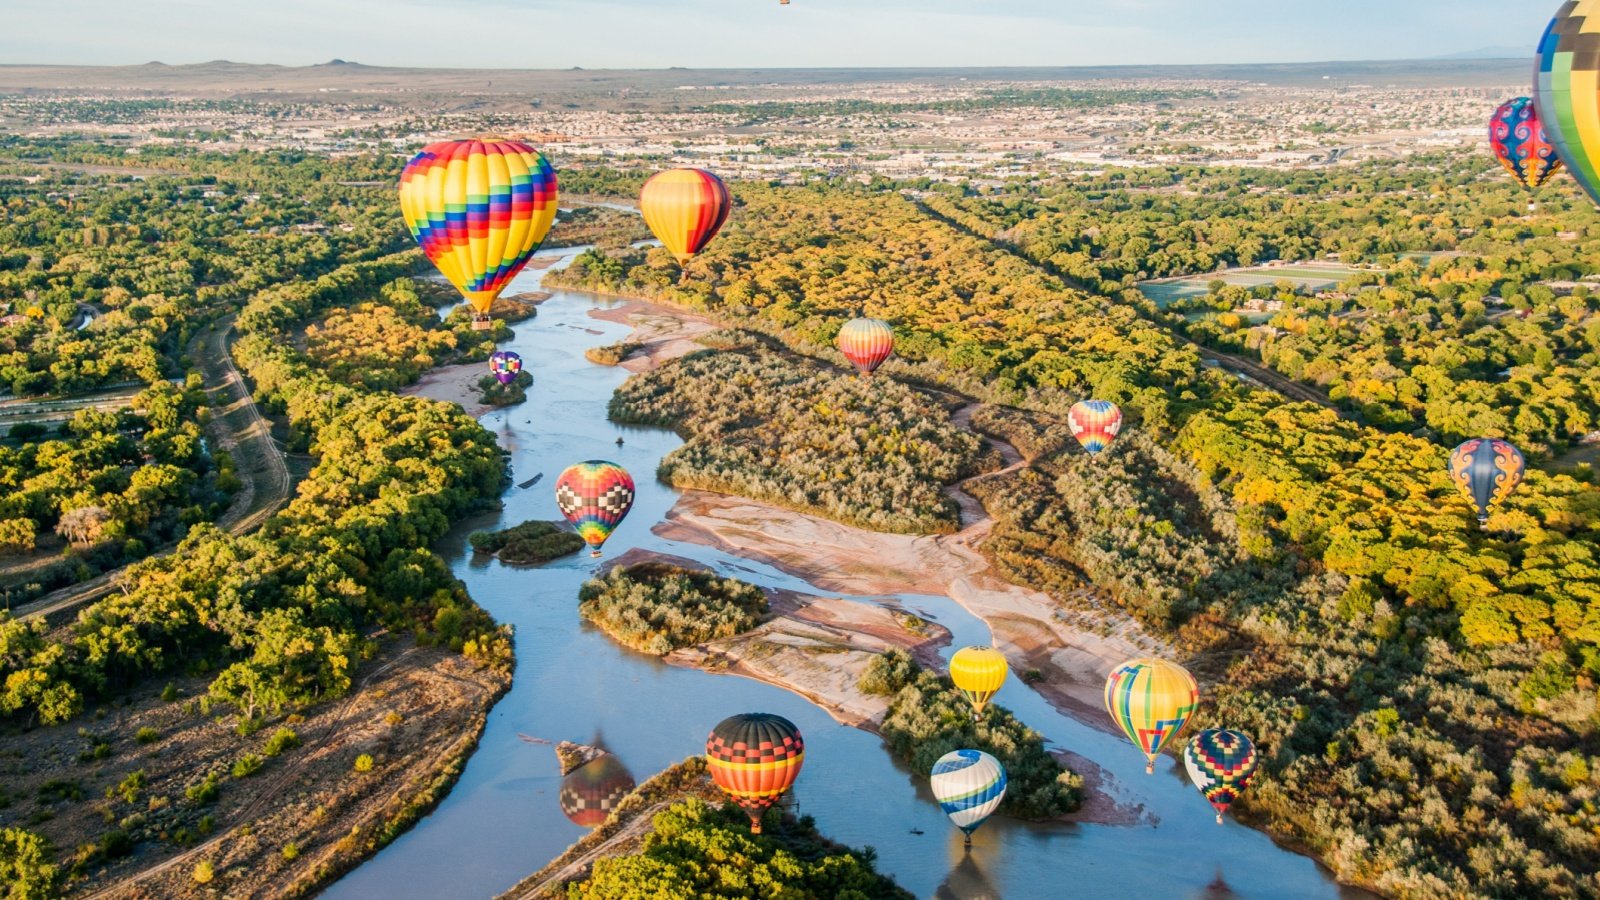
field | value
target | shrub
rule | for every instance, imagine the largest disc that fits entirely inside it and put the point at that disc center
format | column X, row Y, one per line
column 147, row 735
column 204, row 872
column 657, row 608
column 364, row 763
column 247, row 765
column 888, row 673
column 281, row 740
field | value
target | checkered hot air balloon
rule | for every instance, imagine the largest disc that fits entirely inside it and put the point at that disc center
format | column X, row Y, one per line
column 479, row 209
column 1520, row 143
column 755, row 758
column 1151, row 700
column 1221, row 764
column 969, row 785
column 685, row 208
column 504, row 366
column 1487, row 471
column 1095, row 424
column 595, row 496
column 590, row 792
column 867, row 343
column 979, row 673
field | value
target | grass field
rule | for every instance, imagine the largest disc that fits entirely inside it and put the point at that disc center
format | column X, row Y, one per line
column 1311, row 276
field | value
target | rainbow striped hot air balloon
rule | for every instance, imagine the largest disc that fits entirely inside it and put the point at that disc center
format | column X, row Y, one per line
column 1487, row 471
column 1151, row 700
column 978, row 672
column 504, row 365
column 969, row 785
column 1566, row 82
column 1521, row 145
column 867, row 343
column 1221, row 764
column 755, row 758
column 590, row 792
column 685, row 208
column 1095, row 424
column 479, row 209
column 595, row 496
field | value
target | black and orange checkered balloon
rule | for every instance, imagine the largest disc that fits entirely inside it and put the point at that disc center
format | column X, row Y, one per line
column 754, row 758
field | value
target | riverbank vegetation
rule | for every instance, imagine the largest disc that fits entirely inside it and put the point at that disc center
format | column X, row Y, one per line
column 275, row 624
column 657, row 608
column 928, row 718
column 1413, row 680
column 527, row 544
column 696, row 850
column 760, row 423
column 610, row 354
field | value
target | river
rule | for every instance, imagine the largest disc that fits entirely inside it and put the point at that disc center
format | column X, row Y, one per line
column 503, row 820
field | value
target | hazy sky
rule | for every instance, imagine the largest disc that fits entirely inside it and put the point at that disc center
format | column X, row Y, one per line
column 758, row 33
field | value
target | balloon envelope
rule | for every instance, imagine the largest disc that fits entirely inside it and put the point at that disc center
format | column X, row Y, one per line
column 1151, row 700
column 978, row 672
column 1095, row 423
column 479, row 209
column 867, row 343
column 685, row 208
column 595, row 496
column 754, row 758
column 504, row 365
column 1520, row 143
column 1487, row 471
column 590, row 792
column 969, row 785
column 1221, row 764
column 1566, row 80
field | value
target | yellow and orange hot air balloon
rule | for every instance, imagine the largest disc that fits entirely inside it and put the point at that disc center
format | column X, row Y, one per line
column 479, row 209
column 755, row 758
column 978, row 672
column 685, row 208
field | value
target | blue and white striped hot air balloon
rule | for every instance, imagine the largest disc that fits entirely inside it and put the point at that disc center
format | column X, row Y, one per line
column 969, row 785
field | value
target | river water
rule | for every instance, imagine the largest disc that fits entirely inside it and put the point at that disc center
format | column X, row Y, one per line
column 503, row 820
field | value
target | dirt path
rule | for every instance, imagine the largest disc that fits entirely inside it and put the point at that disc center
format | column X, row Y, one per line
column 236, row 426
column 634, row 830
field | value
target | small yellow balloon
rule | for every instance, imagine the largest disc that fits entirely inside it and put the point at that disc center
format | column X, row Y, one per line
column 979, row 672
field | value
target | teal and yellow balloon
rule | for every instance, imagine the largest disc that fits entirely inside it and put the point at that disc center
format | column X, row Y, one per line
column 1151, row 700
column 1567, row 73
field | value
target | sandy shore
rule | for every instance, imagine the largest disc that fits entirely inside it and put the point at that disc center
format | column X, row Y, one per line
column 453, row 384
column 663, row 332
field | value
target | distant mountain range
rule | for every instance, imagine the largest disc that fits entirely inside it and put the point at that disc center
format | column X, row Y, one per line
column 1492, row 53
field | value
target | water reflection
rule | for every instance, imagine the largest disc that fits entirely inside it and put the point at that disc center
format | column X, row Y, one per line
column 966, row 880
column 590, row 792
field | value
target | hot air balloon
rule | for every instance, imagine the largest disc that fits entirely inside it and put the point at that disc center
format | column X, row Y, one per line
column 1221, row 764
column 1566, row 70
column 1151, row 700
column 1487, row 471
column 978, row 672
column 595, row 496
column 479, row 209
column 505, row 365
column 590, row 792
column 1519, row 142
column 866, row 343
column 754, row 758
column 969, row 785
column 1095, row 424
column 685, row 208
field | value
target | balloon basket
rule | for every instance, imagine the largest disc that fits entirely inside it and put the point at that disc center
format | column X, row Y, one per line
column 595, row 554
column 1219, row 818
column 483, row 324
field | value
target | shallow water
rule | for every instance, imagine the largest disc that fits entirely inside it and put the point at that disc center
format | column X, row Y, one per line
column 503, row 820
